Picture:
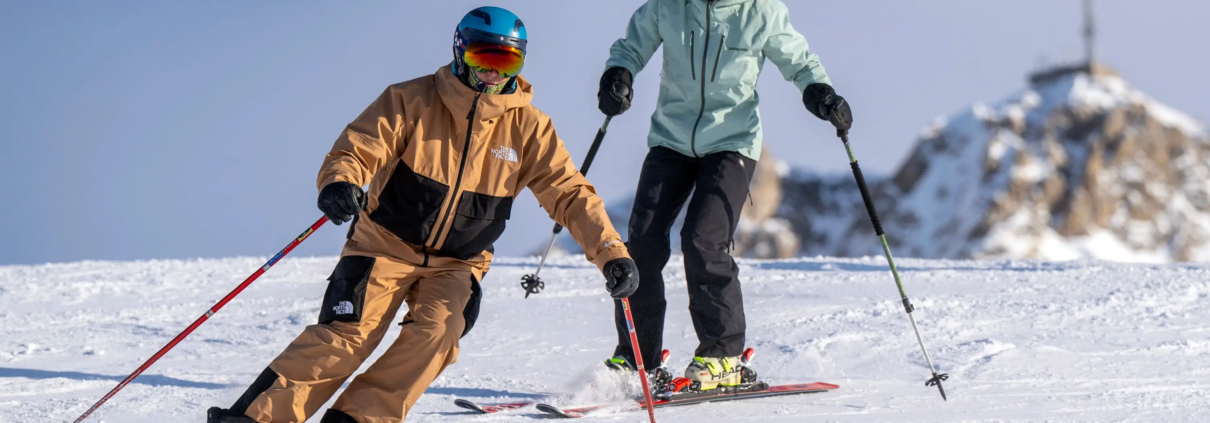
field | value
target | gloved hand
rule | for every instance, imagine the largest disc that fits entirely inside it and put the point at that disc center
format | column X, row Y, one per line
column 821, row 100
column 614, row 96
column 621, row 277
column 340, row 201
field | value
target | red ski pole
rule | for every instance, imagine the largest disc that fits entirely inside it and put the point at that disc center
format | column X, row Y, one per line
column 206, row 316
column 638, row 358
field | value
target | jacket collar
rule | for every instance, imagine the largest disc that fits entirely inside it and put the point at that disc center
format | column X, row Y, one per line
column 457, row 97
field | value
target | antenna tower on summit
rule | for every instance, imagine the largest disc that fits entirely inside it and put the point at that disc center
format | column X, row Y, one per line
column 1088, row 66
column 1089, row 33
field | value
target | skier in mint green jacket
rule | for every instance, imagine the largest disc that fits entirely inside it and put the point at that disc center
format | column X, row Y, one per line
column 705, row 138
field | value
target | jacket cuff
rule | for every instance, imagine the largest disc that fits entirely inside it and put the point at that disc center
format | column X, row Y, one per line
column 621, row 64
column 613, row 249
column 333, row 179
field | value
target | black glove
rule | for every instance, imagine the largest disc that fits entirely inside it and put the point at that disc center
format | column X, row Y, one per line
column 614, row 96
column 821, row 100
column 621, row 277
column 340, row 201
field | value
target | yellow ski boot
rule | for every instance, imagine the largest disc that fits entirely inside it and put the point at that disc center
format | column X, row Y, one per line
column 706, row 373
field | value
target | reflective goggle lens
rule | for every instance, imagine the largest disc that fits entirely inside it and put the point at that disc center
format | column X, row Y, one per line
column 483, row 56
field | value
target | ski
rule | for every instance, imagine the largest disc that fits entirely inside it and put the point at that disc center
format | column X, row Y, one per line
column 574, row 413
column 506, row 406
column 698, row 398
column 490, row 408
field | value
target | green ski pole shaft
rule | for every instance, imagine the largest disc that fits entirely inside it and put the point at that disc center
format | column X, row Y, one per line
column 886, row 249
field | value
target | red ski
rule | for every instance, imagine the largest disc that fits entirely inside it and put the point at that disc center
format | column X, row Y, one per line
column 698, row 398
column 491, row 408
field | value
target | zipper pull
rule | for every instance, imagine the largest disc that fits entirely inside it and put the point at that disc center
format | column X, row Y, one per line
column 474, row 105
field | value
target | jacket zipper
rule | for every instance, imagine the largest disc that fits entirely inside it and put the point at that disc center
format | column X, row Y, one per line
column 702, row 110
column 692, row 70
column 466, row 151
column 717, row 54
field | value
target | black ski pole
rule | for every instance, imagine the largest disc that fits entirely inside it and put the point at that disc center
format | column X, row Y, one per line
column 886, row 249
column 531, row 282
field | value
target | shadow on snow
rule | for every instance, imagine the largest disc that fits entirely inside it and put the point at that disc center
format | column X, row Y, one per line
column 151, row 380
column 479, row 393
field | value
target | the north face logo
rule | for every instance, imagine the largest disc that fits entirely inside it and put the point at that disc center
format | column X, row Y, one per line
column 505, row 153
column 344, row 307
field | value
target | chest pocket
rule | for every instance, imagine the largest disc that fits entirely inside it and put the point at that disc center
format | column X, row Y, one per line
column 478, row 222
column 408, row 204
column 738, row 59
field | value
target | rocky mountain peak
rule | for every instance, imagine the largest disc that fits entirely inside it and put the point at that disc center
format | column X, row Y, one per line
column 1078, row 165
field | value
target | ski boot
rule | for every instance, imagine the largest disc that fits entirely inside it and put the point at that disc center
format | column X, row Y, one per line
column 726, row 375
column 657, row 378
column 220, row 415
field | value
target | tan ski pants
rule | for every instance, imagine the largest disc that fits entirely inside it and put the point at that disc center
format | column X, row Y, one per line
column 364, row 293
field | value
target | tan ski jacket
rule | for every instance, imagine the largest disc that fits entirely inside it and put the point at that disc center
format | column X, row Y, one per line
column 444, row 163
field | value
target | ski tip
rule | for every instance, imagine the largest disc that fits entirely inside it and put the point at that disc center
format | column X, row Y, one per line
column 550, row 409
column 469, row 405
column 490, row 408
column 822, row 385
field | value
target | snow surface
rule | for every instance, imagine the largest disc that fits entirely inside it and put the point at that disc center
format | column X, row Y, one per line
column 1022, row 340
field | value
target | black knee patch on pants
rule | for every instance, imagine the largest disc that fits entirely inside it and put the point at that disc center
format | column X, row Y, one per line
column 470, row 313
column 346, row 294
column 259, row 386
column 337, row 416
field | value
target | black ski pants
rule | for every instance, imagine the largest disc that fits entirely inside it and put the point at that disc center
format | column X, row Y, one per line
column 719, row 183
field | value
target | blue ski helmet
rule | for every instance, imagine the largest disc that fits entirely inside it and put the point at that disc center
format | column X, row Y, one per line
column 490, row 38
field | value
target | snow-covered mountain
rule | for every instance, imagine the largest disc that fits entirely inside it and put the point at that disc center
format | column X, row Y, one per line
column 1078, row 165
column 1023, row 340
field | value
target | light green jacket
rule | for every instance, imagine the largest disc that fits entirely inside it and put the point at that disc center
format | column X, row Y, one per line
column 708, row 101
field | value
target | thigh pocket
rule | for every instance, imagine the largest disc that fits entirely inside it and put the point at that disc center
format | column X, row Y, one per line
column 470, row 313
column 346, row 294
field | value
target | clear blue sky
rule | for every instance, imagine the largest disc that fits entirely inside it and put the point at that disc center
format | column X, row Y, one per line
column 145, row 130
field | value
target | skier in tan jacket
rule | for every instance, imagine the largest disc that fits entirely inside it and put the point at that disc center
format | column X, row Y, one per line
column 444, row 155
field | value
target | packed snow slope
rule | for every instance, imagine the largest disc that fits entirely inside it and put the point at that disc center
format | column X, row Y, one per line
column 1022, row 340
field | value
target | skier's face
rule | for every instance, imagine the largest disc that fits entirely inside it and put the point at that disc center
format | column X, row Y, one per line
column 491, row 77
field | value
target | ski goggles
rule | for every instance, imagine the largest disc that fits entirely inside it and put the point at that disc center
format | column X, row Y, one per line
column 483, row 56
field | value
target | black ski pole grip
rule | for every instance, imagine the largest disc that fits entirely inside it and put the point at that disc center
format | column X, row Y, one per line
column 865, row 196
column 558, row 229
column 592, row 151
